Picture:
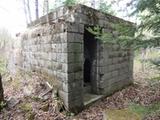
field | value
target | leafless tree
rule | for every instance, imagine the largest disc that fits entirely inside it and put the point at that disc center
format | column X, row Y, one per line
column 37, row 10
column 45, row 7
column 1, row 90
column 25, row 11
column 29, row 11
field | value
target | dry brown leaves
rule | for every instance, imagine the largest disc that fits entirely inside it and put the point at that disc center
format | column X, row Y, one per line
column 45, row 110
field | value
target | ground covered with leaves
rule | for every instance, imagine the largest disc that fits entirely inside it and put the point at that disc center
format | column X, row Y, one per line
column 29, row 98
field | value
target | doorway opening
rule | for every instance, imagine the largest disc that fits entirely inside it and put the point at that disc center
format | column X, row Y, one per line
column 90, row 67
column 90, row 49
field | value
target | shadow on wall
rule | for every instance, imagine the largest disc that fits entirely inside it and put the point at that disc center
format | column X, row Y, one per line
column 90, row 44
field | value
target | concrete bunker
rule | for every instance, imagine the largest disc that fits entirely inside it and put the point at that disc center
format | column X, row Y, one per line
column 85, row 68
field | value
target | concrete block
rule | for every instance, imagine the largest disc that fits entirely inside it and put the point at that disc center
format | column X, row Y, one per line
column 59, row 48
column 78, row 75
column 64, row 68
column 74, row 37
column 71, row 77
column 63, row 77
column 64, row 58
column 49, row 56
column 54, row 49
column 48, row 64
column 59, row 66
column 63, row 37
column 106, row 76
column 75, row 67
column 75, row 47
column 59, row 76
column 115, row 60
column 70, row 87
column 115, row 73
column 64, row 48
column 72, row 27
column 54, row 65
column 54, row 56
column 112, row 67
column 81, row 28
column 71, row 37
column 75, row 57
column 72, row 102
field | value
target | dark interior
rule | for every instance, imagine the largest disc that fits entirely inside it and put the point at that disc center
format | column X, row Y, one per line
column 90, row 44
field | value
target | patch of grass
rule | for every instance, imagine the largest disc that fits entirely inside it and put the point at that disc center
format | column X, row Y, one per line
column 121, row 114
column 141, row 110
column 30, row 115
column 154, row 82
column 151, row 55
column 15, row 83
column 26, row 107
column 157, row 78
column 2, row 104
column 137, row 65
column 69, row 113
column 35, row 98
column 145, row 110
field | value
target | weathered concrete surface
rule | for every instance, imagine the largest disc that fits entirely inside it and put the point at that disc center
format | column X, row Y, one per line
column 56, row 49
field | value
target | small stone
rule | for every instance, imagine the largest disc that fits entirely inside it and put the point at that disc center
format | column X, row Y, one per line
column 27, row 90
column 12, row 102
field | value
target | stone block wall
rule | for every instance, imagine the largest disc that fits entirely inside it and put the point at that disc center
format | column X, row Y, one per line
column 75, row 66
column 55, row 47
column 115, row 69
column 113, row 65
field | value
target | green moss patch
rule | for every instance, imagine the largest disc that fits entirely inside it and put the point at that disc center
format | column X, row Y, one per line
column 122, row 114
column 145, row 110
column 26, row 107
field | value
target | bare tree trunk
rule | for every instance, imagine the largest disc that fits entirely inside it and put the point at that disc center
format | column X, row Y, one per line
column 143, row 56
column 1, row 90
column 46, row 9
column 25, row 11
column 37, row 10
column 29, row 11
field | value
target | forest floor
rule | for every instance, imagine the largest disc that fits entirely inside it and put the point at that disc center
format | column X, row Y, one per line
column 29, row 99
